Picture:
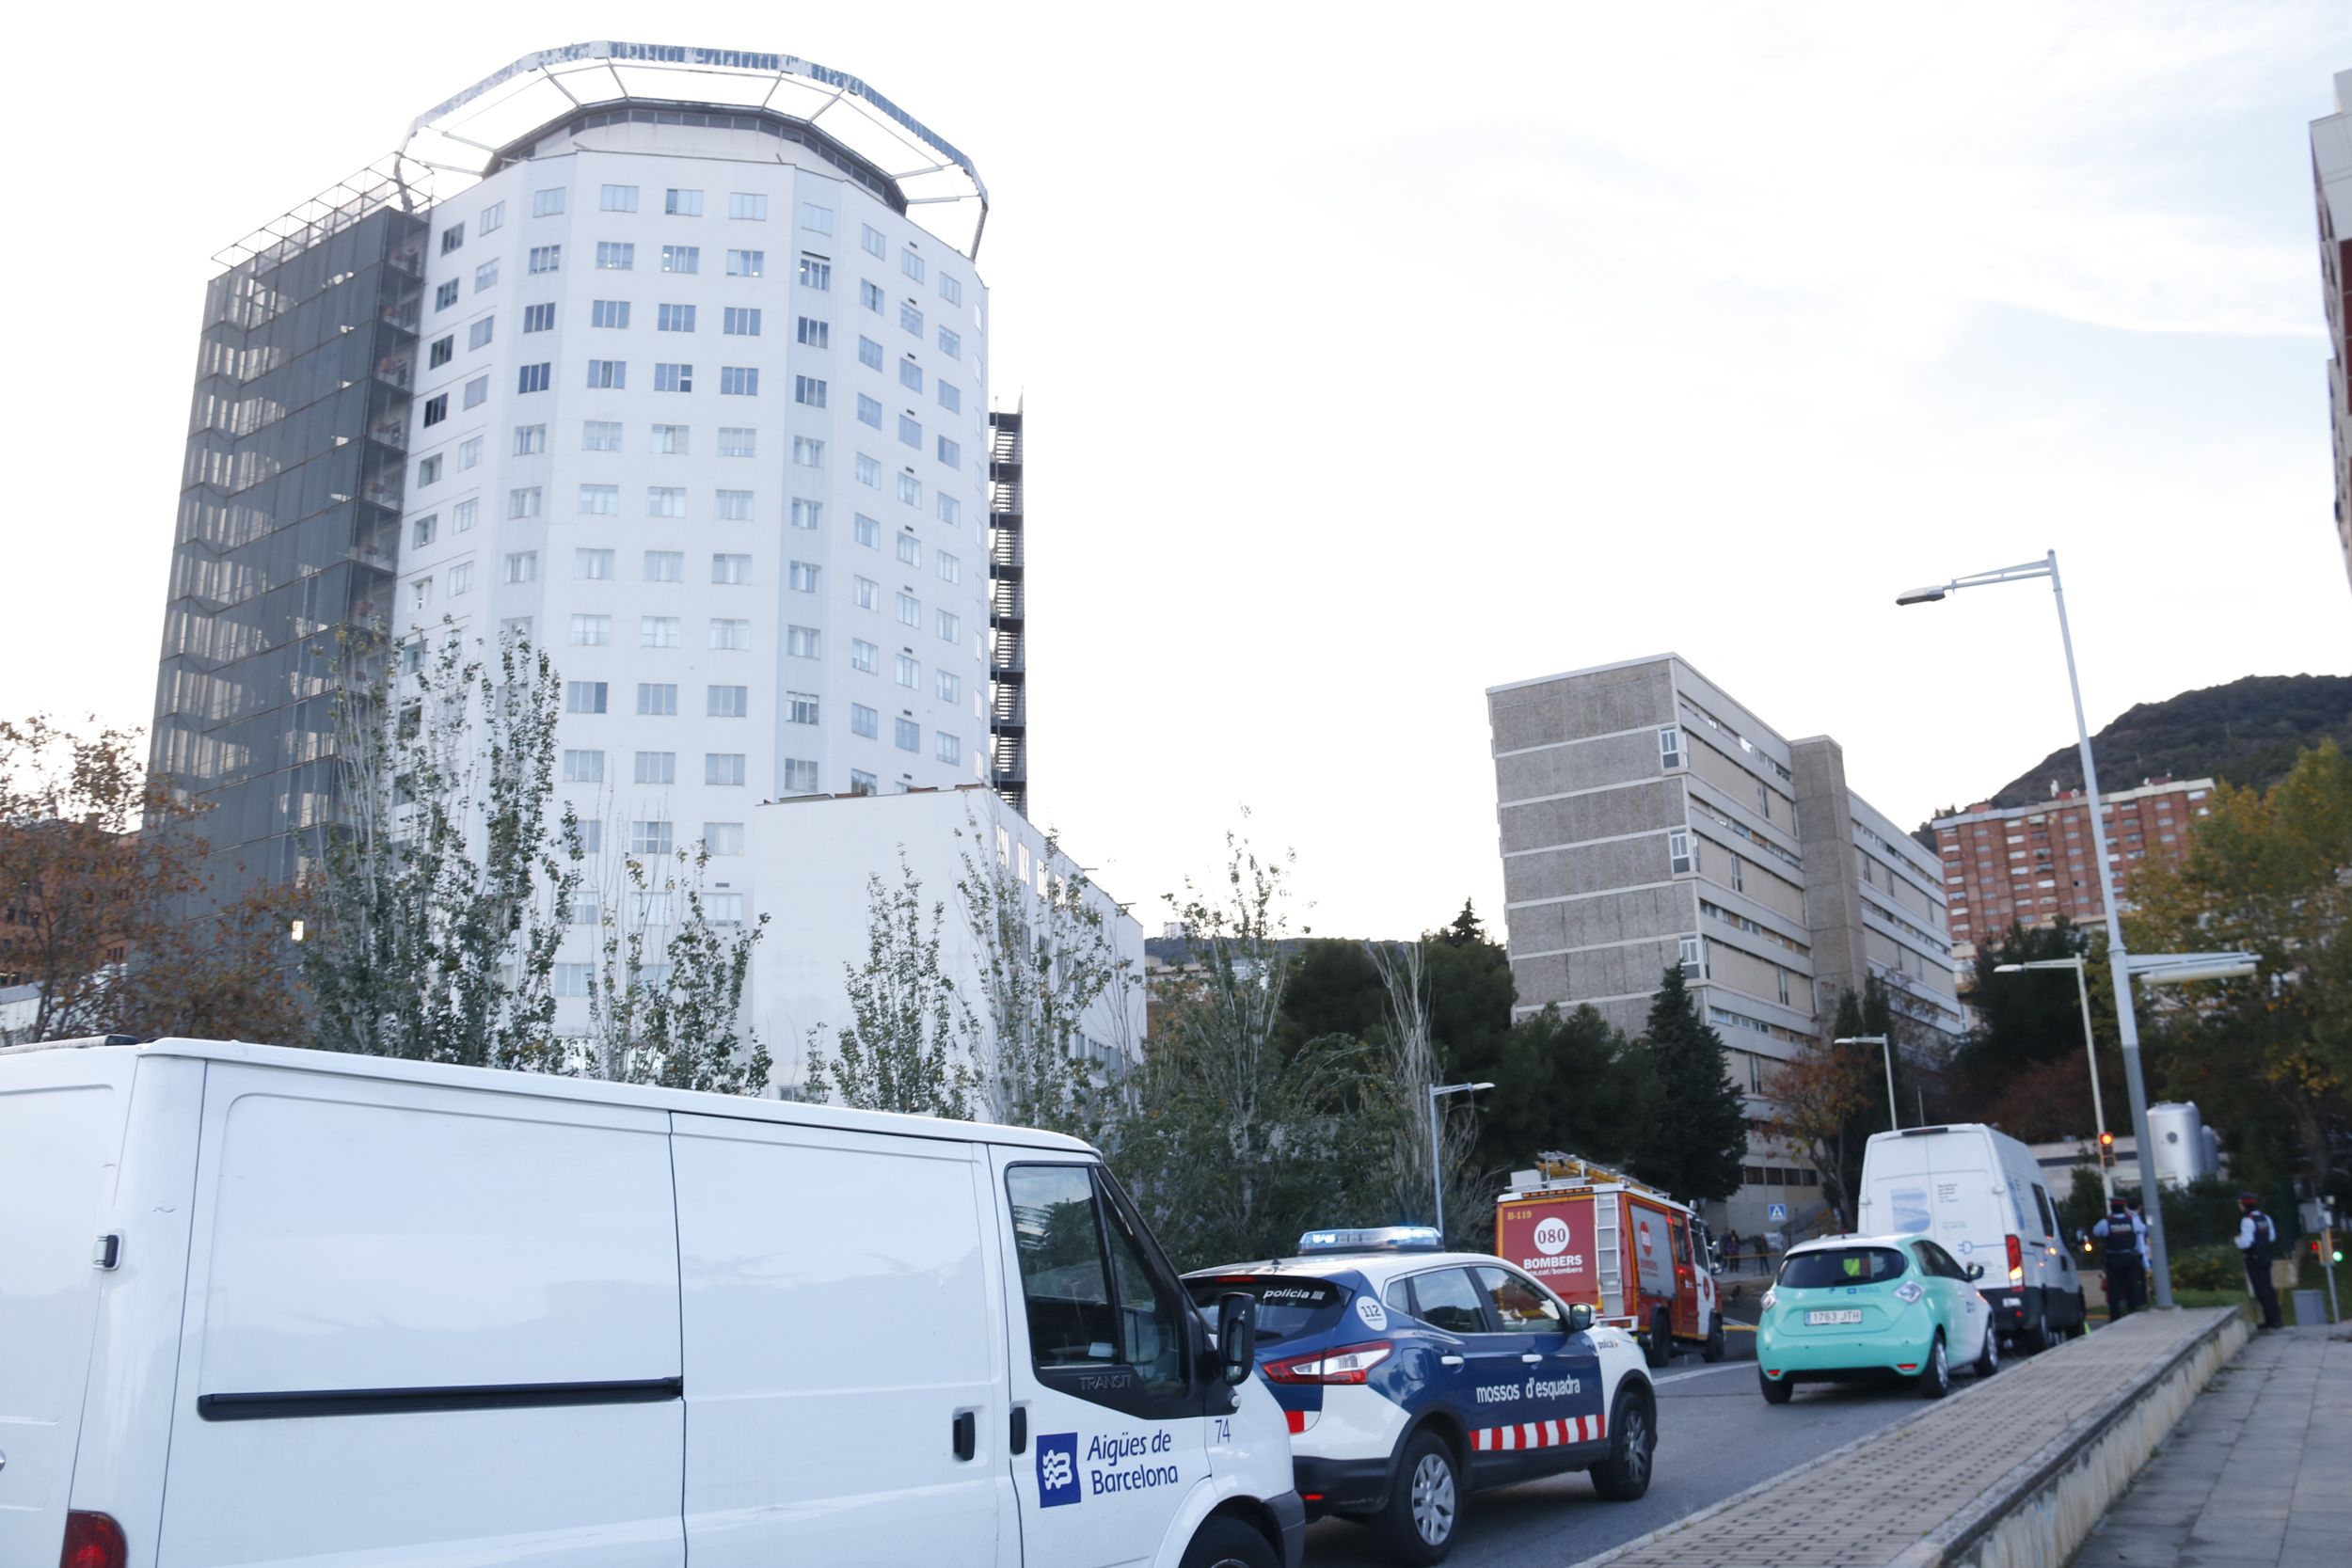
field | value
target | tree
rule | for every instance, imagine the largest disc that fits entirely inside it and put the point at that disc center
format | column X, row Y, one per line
column 665, row 1004
column 233, row 978
column 94, row 859
column 902, row 1050
column 1820, row 1096
column 1568, row 1083
column 2022, row 1065
column 2271, row 873
column 438, row 913
column 1401, row 1116
column 1695, row 1147
column 1333, row 990
column 1230, row 1144
column 1048, row 971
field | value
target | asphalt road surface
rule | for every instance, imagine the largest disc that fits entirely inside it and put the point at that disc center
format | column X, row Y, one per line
column 1716, row 1437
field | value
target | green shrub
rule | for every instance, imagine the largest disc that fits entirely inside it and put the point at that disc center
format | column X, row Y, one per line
column 2208, row 1268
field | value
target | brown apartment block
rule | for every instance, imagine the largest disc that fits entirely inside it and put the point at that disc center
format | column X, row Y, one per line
column 2031, row 864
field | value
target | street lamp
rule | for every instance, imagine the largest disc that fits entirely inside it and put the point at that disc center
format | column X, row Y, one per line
column 1893, row 1116
column 2118, row 959
column 2098, row 1110
column 1437, row 1161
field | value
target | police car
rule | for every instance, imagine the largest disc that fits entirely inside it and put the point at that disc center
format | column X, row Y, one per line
column 1412, row 1377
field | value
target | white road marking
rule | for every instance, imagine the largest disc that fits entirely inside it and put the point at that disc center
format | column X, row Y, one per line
column 1726, row 1367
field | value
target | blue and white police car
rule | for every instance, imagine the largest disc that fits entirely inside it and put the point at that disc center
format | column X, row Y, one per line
column 1412, row 1376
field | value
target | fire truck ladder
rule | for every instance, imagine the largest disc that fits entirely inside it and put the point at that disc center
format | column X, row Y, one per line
column 1606, row 1242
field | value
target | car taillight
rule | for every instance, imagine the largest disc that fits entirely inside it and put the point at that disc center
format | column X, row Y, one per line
column 92, row 1541
column 1347, row 1363
column 2017, row 1260
column 1771, row 1299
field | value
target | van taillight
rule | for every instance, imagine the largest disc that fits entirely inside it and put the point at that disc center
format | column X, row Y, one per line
column 2017, row 1260
column 92, row 1541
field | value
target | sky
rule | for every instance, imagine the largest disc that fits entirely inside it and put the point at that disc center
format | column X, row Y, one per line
column 1376, row 355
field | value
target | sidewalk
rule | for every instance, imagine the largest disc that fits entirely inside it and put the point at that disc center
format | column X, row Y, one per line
column 1944, row 1485
column 2254, row 1474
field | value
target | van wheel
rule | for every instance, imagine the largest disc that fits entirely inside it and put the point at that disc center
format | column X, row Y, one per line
column 1777, row 1390
column 1624, row 1476
column 1229, row 1543
column 1424, row 1502
column 1935, row 1377
column 1662, row 1339
column 2081, row 1326
column 1714, row 1350
column 2038, row 1337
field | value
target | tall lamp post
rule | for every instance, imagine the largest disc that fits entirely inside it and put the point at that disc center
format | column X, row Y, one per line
column 2098, row 1110
column 1437, row 1161
column 1893, row 1116
column 2120, row 962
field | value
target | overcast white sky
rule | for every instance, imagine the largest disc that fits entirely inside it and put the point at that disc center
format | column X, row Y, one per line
column 1375, row 354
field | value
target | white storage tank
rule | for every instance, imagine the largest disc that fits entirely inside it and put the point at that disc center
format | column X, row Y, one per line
column 2181, row 1154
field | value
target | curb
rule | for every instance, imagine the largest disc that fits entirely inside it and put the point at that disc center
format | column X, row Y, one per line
column 1981, row 1535
column 2044, row 1509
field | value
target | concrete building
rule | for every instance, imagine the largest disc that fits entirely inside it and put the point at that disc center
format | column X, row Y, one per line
column 2034, row 864
column 826, row 847
column 675, row 360
column 2331, row 179
column 1647, row 819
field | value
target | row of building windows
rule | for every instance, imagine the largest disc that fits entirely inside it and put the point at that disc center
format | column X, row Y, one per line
column 742, row 206
column 594, row 630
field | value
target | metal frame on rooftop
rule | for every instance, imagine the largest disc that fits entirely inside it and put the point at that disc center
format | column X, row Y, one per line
column 467, row 135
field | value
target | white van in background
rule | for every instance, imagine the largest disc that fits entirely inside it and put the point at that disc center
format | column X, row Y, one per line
column 1977, row 1192
column 270, row 1307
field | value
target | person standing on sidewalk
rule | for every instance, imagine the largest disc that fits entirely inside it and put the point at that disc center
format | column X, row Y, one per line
column 2119, row 1234
column 1731, row 1251
column 2255, row 1234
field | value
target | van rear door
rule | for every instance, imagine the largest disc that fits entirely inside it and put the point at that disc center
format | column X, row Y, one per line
column 61, row 1119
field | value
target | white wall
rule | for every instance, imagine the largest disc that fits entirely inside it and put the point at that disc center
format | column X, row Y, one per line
column 813, row 858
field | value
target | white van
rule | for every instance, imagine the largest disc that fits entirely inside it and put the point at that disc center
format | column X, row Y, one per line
column 261, row 1305
column 1978, row 1192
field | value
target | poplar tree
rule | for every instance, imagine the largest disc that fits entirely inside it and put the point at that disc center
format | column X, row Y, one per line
column 1699, row 1139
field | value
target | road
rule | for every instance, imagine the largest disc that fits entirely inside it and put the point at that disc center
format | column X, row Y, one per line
column 1716, row 1437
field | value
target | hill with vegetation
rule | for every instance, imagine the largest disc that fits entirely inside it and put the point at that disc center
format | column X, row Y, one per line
column 2247, row 735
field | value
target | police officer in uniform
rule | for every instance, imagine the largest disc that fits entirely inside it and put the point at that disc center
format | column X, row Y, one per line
column 2255, row 1234
column 2120, row 1233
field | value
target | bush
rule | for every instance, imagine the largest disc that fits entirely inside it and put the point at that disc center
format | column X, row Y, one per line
column 2217, row 1267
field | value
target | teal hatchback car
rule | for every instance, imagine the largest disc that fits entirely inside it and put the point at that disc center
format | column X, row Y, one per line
column 1849, row 1308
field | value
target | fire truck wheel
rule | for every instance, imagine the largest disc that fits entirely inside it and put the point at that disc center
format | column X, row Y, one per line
column 1662, row 1339
column 1714, row 1350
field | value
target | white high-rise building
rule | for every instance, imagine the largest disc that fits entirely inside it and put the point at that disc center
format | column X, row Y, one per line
column 674, row 359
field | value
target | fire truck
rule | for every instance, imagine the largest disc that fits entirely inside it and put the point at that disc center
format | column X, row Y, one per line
column 1638, row 1256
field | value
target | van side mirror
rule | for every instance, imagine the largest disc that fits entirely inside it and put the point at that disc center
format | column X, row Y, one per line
column 1976, row 1271
column 1236, row 1336
column 1580, row 1316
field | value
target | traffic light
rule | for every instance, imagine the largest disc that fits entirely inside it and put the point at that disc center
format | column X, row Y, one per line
column 2106, row 1151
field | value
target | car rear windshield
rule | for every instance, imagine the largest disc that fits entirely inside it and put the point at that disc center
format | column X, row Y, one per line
column 1842, row 1265
column 1287, row 1307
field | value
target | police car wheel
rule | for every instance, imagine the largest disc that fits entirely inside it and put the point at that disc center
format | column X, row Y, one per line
column 1935, row 1376
column 1424, row 1502
column 1229, row 1543
column 1624, row 1476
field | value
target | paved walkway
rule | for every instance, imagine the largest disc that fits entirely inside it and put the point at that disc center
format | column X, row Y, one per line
column 1871, row 1501
column 2256, row 1473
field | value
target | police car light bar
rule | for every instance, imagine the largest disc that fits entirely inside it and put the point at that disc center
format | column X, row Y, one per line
column 1387, row 1238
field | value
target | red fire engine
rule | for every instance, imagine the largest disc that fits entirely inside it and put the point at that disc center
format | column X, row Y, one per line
column 1639, row 1256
